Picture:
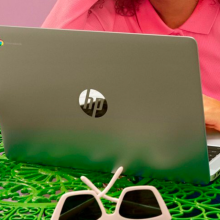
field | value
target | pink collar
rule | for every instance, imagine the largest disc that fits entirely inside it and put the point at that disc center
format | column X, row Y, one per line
column 201, row 20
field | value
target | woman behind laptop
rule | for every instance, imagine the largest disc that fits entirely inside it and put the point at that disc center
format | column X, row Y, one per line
column 196, row 18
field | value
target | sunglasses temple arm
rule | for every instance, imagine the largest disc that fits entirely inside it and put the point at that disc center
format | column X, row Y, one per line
column 103, row 193
column 109, row 186
column 94, row 188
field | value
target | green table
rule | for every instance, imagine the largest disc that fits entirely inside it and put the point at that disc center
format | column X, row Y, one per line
column 31, row 191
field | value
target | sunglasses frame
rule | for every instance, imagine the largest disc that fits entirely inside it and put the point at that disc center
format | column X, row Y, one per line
column 115, row 216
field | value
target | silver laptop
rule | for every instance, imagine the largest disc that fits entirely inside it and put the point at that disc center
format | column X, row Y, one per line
column 99, row 100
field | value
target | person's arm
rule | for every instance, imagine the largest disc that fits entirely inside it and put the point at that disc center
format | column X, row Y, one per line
column 212, row 112
column 72, row 14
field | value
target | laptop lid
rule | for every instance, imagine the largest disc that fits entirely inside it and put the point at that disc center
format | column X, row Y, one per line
column 153, row 123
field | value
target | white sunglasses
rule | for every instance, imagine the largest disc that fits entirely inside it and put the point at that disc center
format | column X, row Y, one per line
column 136, row 202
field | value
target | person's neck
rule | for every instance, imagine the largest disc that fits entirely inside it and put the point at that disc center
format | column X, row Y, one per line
column 174, row 12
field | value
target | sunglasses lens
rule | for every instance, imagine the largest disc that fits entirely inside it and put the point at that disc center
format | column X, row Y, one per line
column 80, row 207
column 140, row 204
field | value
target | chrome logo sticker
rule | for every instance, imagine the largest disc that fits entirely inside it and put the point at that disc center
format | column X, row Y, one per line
column 93, row 103
column 1, row 42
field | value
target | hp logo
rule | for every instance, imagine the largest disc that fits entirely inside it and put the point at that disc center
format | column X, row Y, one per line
column 93, row 103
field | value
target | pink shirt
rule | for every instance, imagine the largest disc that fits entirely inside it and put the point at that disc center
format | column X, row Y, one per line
column 203, row 25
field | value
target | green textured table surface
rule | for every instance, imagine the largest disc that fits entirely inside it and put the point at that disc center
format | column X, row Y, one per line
column 31, row 191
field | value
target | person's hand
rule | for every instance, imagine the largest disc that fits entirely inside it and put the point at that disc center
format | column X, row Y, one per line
column 212, row 112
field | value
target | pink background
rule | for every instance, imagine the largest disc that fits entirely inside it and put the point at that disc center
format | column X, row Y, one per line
column 29, row 13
